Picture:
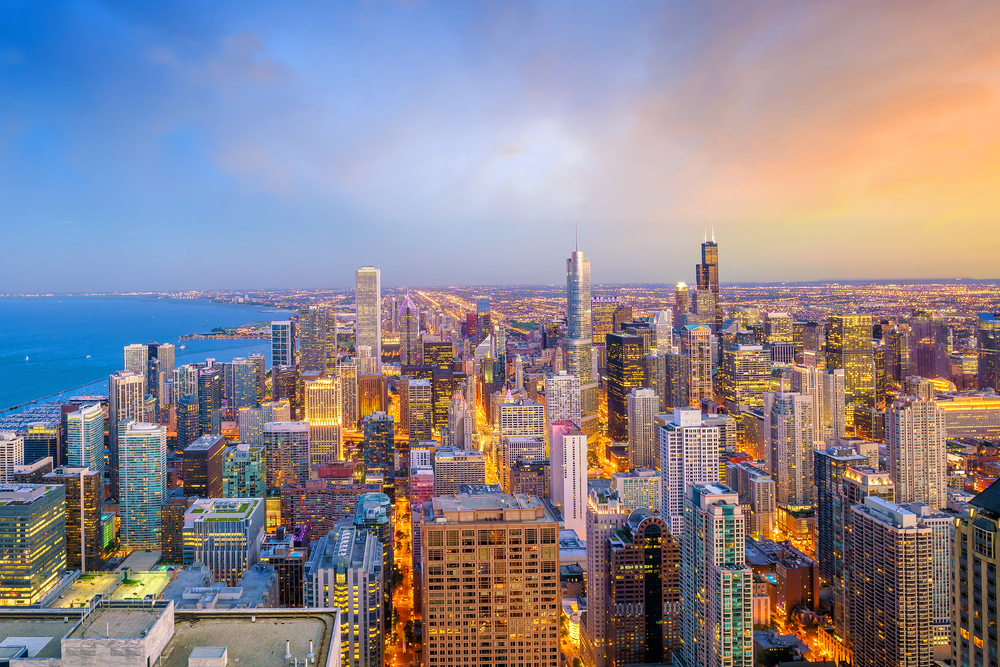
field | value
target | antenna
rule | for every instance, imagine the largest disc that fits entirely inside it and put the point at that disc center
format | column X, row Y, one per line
column 576, row 224
column 705, row 238
column 713, row 233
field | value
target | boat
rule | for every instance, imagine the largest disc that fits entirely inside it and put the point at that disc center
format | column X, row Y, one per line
column 26, row 358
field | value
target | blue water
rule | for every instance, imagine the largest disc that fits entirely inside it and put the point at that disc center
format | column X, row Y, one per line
column 45, row 341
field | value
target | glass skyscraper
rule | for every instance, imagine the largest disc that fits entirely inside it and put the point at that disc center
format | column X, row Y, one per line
column 579, row 337
column 143, row 475
column 368, row 295
column 85, row 439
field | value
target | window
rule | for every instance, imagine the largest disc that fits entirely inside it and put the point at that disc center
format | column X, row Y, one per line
column 983, row 542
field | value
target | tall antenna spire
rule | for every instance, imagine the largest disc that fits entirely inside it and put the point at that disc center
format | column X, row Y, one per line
column 705, row 237
column 576, row 224
column 713, row 233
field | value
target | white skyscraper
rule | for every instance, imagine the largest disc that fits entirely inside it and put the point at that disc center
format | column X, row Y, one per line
column 915, row 437
column 689, row 454
column 663, row 326
column 137, row 359
column 127, row 402
column 788, row 445
column 834, row 410
column 11, row 454
column 368, row 296
column 283, row 343
column 604, row 516
column 522, row 418
column 85, row 439
column 562, row 398
column 569, row 474
column 143, row 475
column 185, row 381
column 643, row 445
column 716, row 584
column 250, row 422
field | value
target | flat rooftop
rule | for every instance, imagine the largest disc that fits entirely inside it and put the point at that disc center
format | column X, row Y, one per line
column 117, row 623
column 141, row 561
column 49, row 629
column 85, row 588
column 141, row 584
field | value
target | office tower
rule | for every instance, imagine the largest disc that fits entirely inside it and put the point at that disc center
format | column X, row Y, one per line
column 259, row 363
column 579, row 337
column 509, row 525
column 286, row 446
column 569, row 474
column 126, row 402
column 942, row 525
column 975, row 560
column 313, row 322
column 285, row 386
column 240, row 384
column 137, row 361
column 455, row 467
column 849, row 347
column 323, row 414
column 605, row 516
column 676, row 379
column 461, row 422
column 202, row 465
column 143, row 477
column 438, row 354
column 663, row 328
column 898, row 343
column 707, row 275
column 416, row 408
column 644, row 600
column 833, row 411
column 637, row 488
column 689, row 454
column 744, row 377
column 377, row 447
column 878, row 352
column 806, row 380
column 373, row 394
column 165, row 362
column 521, row 419
column 287, row 556
column 185, row 381
column 625, row 373
column 918, row 387
column 225, row 534
column 988, row 339
column 779, row 328
column 345, row 571
column 716, row 584
column 320, row 503
column 915, row 440
column 210, row 400
column 602, row 317
column 33, row 534
column 188, row 420
column 31, row 473
column 654, row 376
column 347, row 373
column 42, row 439
column 520, row 449
column 788, row 440
column 283, row 343
column 532, row 478
column 83, row 516
column 643, row 446
column 562, row 398
column 696, row 343
column 368, row 299
column 250, row 422
column 422, row 485
column 891, row 587
column 409, row 333
column 243, row 472
column 276, row 411
column 682, row 304
column 11, row 454
column 484, row 324
column 756, row 491
column 374, row 515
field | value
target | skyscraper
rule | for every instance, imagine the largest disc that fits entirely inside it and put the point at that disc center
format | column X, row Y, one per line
column 579, row 337
column 523, row 418
column 416, row 408
column 323, row 413
column 834, row 407
column 891, row 587
column 569, row 474
column 716, row 584
column 126, row 402
column 915, row 439
column 849, row 347
column 696, row 345
column 644, row 598
column 11, row 454
column 187, row 417
column 83, row 516
column 33, row 532
column 368, row 297
column 286, row 445
column 202, row 466
column 744, row 377
column 409, row 333
column 625, row 373
column 210, row 400
column 788, row 441
column 689, row 454
column 643, row 445
column 185, row 381
column 137, row 361
column 602, row 317
column 663, row 327
column 143, row 475
column 313, row 342
column 243, row 472
column 707, row 275
column 605, row 516
column 283, row 343
column 240, row 384
column 562, row 398
column 377, row 447
column 975, row 559
column 225, row 534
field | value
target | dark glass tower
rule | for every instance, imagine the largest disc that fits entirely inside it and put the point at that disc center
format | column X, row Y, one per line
column 625, row 373
column 707, row 274
column 988, row 328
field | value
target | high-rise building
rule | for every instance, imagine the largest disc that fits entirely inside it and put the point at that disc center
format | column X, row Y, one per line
column 602, row 317
column 461, row 422
column 185, row 381
column 320, row 503
column 126, row 402
column 891, row 586
column 187, row 418
column 202, row 466
column 696, row 344
column 975, row 559
column 283, row 343
column 643, row 565
column 259, row 363
column 716, row 584
column 744, row 377
column 562, row 398
column 347, row 372
column 85, row 439
column 250, row 422
column 225, row 534
column 33, row 534
column 137, row 361
column 210, row 400
column 942, row 525
column 605, row 516
column 243, row 472
column 523, row 418
column 643, row 445
column 788, row 441
column 707, row 276
column 756, row 491
column 286, row 445
column 676, row 379
column 625, row 373
column 663, row 329
column 508, row 525
column 689, row 454
column 11, row 455
column 849, row 347
column 416, row 408
column 345, row 571
column 323, row 414
column 915, row 439
column 377, row 447
column 368, row 299
column 778, row 328
column 569, row 474
column 313, row 336
column 988, row 339
column 579, row 340
column 409, row 332
column 83, row 516
column 373, row 395
column 454, row 467
column 143, row 475
column 288, row 557
column 374, row 515
column 42, row 439
column 637, row 488
column 834, row 408
column 240, row 384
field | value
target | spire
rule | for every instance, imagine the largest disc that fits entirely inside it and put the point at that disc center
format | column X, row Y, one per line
column 713, row 233
column 576, row 224
column 705, row 237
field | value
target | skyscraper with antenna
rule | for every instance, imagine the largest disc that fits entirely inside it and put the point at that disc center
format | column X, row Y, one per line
column 579, row 336
column 707, row 273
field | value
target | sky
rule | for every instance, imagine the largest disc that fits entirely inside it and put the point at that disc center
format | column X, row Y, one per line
column 238, row 145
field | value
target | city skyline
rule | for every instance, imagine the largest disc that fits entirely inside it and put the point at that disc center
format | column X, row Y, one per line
column 797, row 131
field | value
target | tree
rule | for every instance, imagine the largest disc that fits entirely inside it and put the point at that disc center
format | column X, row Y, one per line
column 408, row 631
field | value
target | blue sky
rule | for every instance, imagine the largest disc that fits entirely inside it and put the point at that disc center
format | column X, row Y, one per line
column 183, row 145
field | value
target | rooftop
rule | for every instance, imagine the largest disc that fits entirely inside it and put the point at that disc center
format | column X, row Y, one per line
column 988, row 499
column 119, row 621
column 221, row 509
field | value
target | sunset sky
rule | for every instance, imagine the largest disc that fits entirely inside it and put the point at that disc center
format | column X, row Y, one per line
column 200, row 145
